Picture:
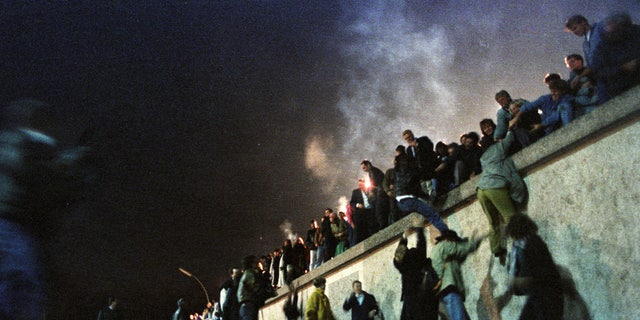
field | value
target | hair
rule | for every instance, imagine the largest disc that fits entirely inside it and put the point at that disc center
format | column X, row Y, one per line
column 249, row 262
column 487, row 121
column 502, row 93
column 319, row 282
column 521, row 226
column 354, row 283
column 441, row 144
column 233, row 268
column 366, row 162
column 329, row 209
column 409, row 132
column 559, row 84
column 574, row 56
column 551, row 76
column 473, row 136
column 312, row 221
column 573, row 20
column 400, row 148
column 519, row 102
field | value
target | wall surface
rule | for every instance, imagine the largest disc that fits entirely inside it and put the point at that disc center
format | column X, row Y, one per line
column 584, row 191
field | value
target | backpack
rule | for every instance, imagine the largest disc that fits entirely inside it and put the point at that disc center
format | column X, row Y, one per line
column 430, row 281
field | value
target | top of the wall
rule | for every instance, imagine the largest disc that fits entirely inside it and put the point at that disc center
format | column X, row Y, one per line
column 611, row 116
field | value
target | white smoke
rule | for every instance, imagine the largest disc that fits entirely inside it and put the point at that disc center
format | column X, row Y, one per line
column 396, row 79
column 285, row 227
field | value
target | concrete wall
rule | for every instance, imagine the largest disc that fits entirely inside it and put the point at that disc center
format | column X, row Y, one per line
column 584, row 190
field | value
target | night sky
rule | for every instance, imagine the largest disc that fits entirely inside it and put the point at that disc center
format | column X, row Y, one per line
column 223, row 127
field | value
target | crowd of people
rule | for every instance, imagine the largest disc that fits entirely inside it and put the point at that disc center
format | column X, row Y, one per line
column 423, row 173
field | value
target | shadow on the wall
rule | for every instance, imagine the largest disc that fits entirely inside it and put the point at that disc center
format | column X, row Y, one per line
column 574, row 305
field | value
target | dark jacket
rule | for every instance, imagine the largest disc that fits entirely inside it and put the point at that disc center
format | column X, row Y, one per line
column 425, row 156
column 360, row 312
column 407, row 180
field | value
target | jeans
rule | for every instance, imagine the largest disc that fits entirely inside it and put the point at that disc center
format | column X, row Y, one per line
column 420, row 206
column 455, row 306
column 320, row 255
column 313, row 258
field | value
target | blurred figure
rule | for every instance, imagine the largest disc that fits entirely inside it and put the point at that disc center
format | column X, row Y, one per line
column 311, row 243
column 467, row 158
column 532, row 271
column 363, row 305
column 111, row 312
column 408, row 192
column 38, row 179
column 318, row 306
column 181, row 313
column 611, row 51
column 582, row 85
column 499, row 189
column 421, row 151
column 362, row 211
column 503, row 98
column 299, row 257
column 254, row 288
column 229, row 308
column 524, row 130
column 417, row 304
column 290, row 308
column 381, row 202
column 556, row 108
column 340, row 232
column 447, row 256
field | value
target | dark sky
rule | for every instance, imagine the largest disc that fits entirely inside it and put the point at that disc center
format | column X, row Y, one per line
column 222, row 127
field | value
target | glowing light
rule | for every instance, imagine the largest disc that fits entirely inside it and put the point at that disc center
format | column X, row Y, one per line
column 367, row 183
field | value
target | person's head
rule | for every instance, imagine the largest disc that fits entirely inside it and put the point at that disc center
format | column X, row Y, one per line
column 451, row 148
column 577, row 25
column 503, row 98
column 617, row 27
column 327, row 212
column 574, row 62
column 441, row 149
column 487, row 126
column 366, row 165
column 235, row 272
column 520, row 226
column 462, row 138
column 557, row 88
column 300, row 240
column 551, row 77
column 448, row 235
column 400, row 149
column 287, row 243
column 342, row 215
column 113, row 302
column 515, row 106
column 408, row 136
column 357, row 286
column 320, row 282
column 249, row 262
column 314, row 223
column 471, row 140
